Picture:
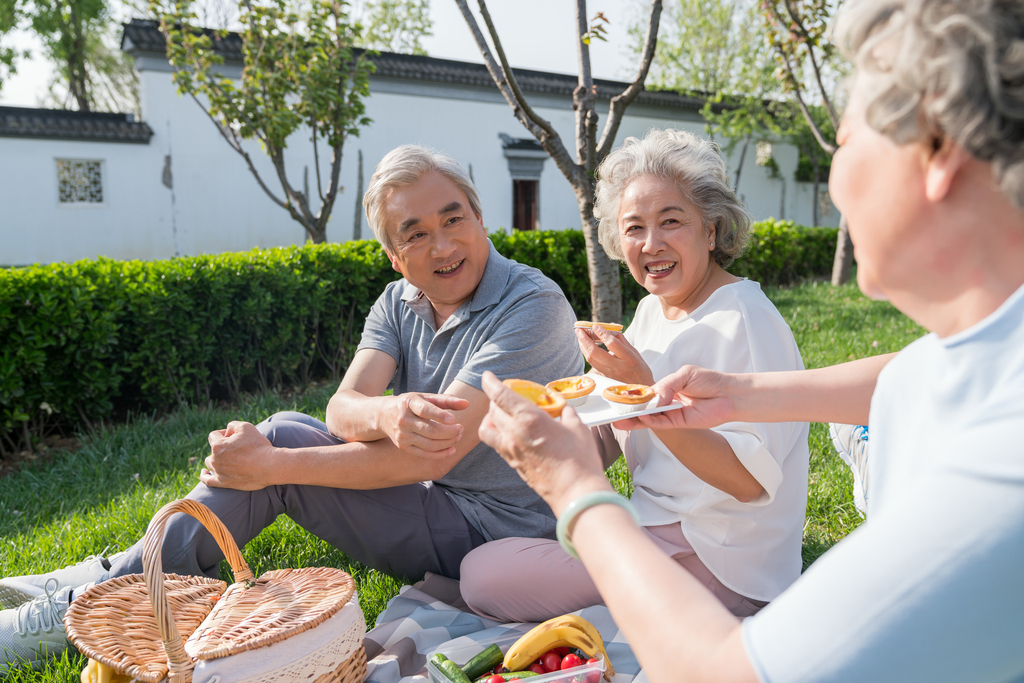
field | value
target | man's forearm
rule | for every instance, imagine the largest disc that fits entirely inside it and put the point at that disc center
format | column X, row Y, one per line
column 361, row 466
column 839, row 393
column 354, row 417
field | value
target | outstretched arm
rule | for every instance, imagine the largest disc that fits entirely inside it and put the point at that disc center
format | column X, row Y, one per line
column 839, row 393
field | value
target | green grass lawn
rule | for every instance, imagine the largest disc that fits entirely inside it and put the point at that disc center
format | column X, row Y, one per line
column 102, row 496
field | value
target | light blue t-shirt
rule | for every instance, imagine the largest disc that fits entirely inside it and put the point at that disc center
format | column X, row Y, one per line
column 931, row 587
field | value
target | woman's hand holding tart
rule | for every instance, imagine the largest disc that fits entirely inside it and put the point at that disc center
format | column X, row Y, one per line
column 626, row 398
column 551, row 402
column 574, row 389
column 611, row 327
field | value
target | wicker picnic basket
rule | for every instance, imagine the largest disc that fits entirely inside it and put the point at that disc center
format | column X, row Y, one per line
column 155, row 627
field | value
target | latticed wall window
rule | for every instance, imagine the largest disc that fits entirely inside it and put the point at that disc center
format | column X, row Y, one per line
column 79, row 181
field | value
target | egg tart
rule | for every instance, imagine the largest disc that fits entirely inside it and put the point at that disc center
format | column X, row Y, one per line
column 626, row 398
column 551, row 402
column 613, row 327
column 574, row 389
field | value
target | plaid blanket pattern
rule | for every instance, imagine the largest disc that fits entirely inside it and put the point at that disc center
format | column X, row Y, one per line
column 431, row 616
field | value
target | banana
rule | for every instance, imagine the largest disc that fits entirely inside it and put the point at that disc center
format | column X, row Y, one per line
column 582, row 624
column 568, row 630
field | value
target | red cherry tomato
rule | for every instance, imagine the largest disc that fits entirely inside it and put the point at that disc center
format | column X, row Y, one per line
column 496, row 679
column 593, row 676
column 563, row 651
column 571, row 661
column 537, row 668
column 551, row 661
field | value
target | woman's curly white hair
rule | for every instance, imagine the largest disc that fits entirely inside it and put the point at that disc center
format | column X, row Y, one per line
column 698, row 170
column 935, row 68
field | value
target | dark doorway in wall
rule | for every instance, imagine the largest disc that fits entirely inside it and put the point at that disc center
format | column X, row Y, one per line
column 524, row 204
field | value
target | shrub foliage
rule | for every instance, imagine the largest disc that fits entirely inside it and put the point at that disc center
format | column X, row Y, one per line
column 86, row 340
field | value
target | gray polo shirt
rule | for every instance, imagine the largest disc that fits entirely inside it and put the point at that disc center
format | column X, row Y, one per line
column 517, row 324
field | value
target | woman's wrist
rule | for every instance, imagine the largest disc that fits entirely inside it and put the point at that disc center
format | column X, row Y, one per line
column 582, row 506
column 580, row 488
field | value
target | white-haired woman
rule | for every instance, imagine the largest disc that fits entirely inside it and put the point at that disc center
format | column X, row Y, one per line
column 726, row 504
column 930, row 175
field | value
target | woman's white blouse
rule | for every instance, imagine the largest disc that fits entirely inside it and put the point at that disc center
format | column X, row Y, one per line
column 753, row 548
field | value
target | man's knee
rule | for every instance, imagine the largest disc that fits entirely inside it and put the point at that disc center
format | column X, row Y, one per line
column 294, row 430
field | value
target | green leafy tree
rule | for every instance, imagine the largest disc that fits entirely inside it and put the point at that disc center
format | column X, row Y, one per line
column 8, row 55
column 592, row 144
column 76, row 35
column 716, row 49
column 394, row 25
column 300, row 71
column 810, row 68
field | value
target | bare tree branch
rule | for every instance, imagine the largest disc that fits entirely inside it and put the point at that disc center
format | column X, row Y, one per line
column 548, row 139
column 814, row 63
column 316, row 159
column 236, row 145
column 301, row 213
column 510, row 77
column 583, row 95
column 620, row 102
column 829, row 148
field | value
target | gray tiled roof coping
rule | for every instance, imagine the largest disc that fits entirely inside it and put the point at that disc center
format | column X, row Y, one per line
column 144, row 36
column 59, row 124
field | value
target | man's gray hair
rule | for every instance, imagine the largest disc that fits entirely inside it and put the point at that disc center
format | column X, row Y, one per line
column 697, row 169
column 931, row 68
column 404, row 166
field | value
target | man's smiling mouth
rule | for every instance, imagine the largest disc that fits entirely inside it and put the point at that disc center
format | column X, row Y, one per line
column 449, row 269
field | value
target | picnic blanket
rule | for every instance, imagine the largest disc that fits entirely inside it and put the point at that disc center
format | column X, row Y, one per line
column 431, row 613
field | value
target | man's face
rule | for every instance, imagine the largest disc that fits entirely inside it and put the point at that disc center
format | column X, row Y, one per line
column 437, row 243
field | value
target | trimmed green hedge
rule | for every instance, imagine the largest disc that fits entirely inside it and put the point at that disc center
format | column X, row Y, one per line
column 87, row 340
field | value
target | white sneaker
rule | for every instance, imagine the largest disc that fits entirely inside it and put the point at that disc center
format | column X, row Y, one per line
column 17, row 590
column 851, row 442
column 34, row 631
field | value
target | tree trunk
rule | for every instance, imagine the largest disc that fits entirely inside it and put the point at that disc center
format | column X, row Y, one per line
column 316, row 236
column 844, row 255
column 77, row 78
column 817, row 199
column 605, row 286
column 357, row 223
column 739, row 167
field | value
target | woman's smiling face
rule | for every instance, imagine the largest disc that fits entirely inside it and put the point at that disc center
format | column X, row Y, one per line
column 667, row 248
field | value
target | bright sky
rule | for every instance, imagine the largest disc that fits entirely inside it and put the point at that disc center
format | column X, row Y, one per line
column 536, row 34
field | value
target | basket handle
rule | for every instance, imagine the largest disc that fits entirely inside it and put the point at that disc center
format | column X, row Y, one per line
column 180, row 664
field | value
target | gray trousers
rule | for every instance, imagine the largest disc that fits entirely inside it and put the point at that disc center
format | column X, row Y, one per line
column 404, row 530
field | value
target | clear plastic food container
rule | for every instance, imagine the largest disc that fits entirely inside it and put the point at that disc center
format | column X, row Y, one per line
column 460, row 653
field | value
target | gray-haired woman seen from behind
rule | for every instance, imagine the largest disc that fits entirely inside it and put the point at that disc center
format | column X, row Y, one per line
column 930, row 175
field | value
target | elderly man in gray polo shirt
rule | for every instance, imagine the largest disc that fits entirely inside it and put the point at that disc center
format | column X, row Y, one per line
column 401, row 483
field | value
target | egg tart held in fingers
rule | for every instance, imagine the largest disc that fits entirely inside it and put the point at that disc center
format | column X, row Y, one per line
column 627, row 398
column 611, row 327
column 551, row 402
column 576, row 390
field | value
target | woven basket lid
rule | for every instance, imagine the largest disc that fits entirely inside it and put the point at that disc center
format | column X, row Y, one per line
column 157, row 625
column 113, row 623
column 281, row 604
